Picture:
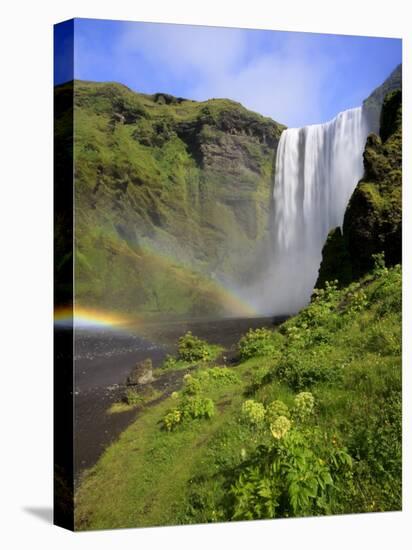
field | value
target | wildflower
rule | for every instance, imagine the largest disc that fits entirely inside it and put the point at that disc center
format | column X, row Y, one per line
column 280, row 427
column 304, row 403
column 275, row 409
column 253, row 411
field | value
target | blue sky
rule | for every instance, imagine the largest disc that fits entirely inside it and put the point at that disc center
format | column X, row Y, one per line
column 296, row 78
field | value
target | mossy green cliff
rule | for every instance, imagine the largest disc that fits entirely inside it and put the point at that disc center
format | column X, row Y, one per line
column 171, row 196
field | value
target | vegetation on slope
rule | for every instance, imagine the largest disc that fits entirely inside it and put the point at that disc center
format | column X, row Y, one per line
column 308, row 423
column 171, row 196
column 191, row 352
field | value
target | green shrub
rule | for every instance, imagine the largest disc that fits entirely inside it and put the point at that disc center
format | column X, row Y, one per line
column 384, row 339
column 191, row 348
column 357, row 300
column 289, row 478
column 197, row 407
column 388, row 293
column 259, row 342
column 218, row 376
column 191, row 385
column 170, row 363
column 172, row 419
column 133, row 398
column 253, row 412
column 189, row 405
column 302, row 370
column 259, row 376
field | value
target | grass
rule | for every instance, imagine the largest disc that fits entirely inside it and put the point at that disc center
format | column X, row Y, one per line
column 142, row 479
column 207, row 470
column 134, row 400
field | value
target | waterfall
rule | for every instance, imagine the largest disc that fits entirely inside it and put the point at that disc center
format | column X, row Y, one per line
column 317, row 169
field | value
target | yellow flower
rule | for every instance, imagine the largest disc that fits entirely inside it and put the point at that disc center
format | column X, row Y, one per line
column 280, row 427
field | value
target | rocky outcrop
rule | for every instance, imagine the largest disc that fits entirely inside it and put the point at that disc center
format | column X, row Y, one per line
column 373, row 218
column 373, row 104
column 141, row 374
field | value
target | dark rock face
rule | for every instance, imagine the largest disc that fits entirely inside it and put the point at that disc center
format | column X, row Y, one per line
column 335, row 260
column 373, row 218
column 141, row 374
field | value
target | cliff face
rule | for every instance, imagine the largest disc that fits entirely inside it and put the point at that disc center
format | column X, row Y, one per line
column 373, row 104
column 373, row 218
column 171, row 196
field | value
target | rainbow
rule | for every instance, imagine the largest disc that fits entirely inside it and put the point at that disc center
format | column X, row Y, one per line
column 163, row 261
column 229, row 299
column 81, row 317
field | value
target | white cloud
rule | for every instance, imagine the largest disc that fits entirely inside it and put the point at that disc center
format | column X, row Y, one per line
column 181, row 49
column 286, row 79
column 284, row 83
column 283, row 86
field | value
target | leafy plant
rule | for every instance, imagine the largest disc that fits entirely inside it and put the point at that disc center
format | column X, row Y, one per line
column 170, row 363
column 190, row 404
column 197, row 407
column 357, row 301
column 287, row 479
column 191, row 385
column 301, row 371
column 191, row 348
column 218, row 376
column 172, row 419
column 379, row 266
column 259, row 342
column 133, row 398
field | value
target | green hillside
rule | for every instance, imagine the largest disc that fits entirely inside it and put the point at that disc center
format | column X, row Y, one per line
column 308, row 423
column 171, row 195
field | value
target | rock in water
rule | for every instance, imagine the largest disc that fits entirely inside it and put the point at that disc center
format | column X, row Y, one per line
column 141, row 374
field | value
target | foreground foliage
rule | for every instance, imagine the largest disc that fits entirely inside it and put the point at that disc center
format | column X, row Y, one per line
column 311, row 428
column 191, row 351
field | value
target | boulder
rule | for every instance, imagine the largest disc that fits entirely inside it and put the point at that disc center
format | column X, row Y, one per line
column 142, row 373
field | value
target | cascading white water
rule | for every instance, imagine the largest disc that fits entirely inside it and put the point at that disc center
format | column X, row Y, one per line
column 317, row 169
